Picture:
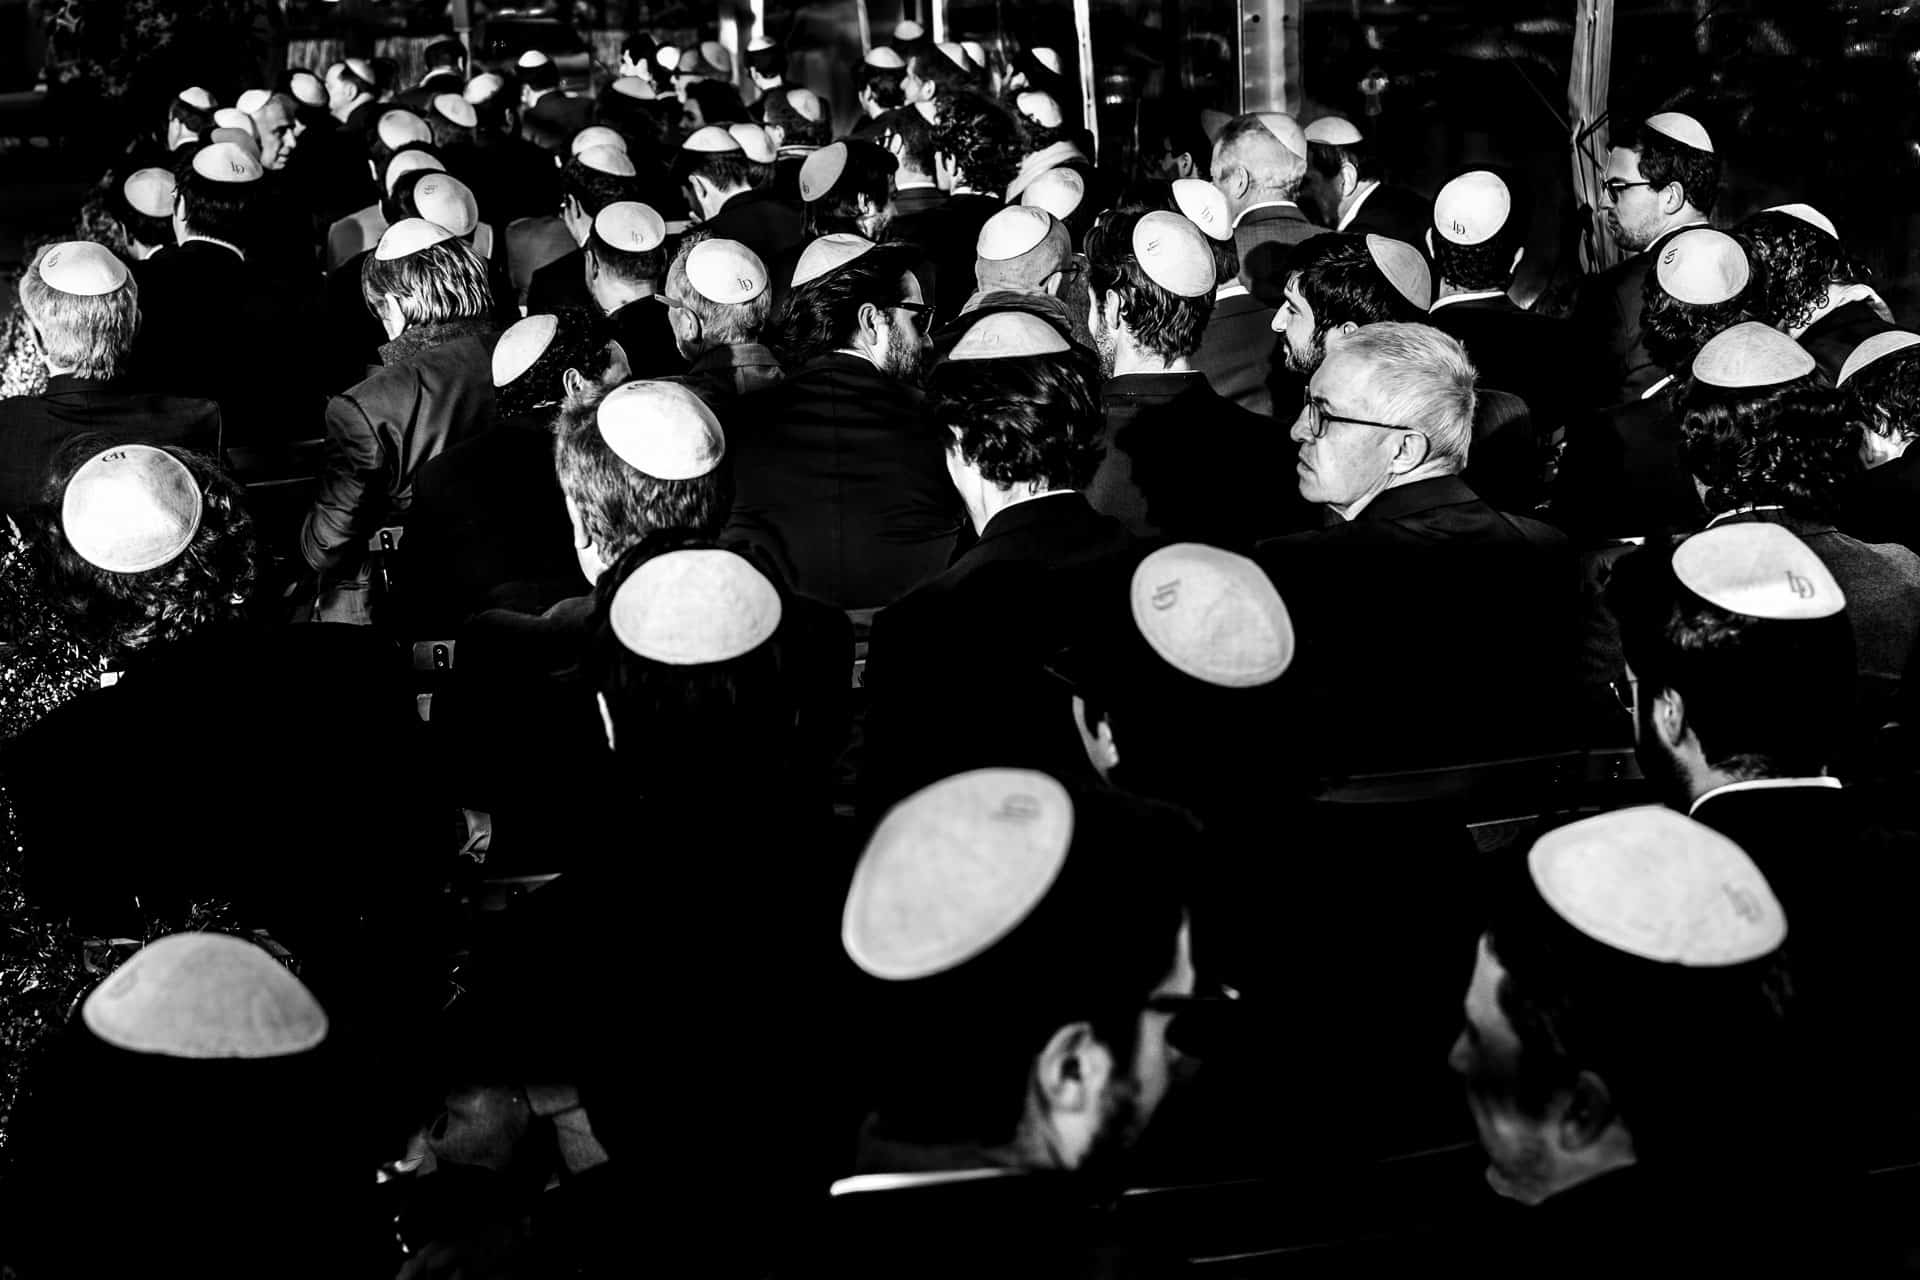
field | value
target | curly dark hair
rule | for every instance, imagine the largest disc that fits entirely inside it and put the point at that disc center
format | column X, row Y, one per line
column 1885, row 396
column 1023, row 420
column 223, row 210
column 1665, row 161
column 822, row 315
column 1794, row 264
column 1674, row 331
column 211, row 582
column 980, row 141
column 1338, row 278
column 796, row 129
column 869, row 173
column 1787, row 445
column 619, row 504
column 1161, row 322
column 886, row 84
column 915, row 136
column 579, row 343
column 593, row 190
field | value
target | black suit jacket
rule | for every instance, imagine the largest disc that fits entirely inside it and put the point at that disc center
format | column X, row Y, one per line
column 760, row 220
column 32, row 428
column 1624, row 474
column 1832, row 338
column 1883, row 505
column 1266, row 239
column 1606, row 316
column 643, row 332
column 488, row 528
column 214, row 328
column 560, row 284
column 1237, row 355
column 1532, row 355
column 1433, row 629
column 980, row 634
column 951, row 235
column 1396, row 212
column 1184, row 463
column 840, row 477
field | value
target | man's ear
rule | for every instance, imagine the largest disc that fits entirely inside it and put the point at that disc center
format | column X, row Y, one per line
column 1051, row 285
column 1183, row 164
column 1346, row 328
column 1670, row 717
column 868, row 325
column 686, row 325
column 1588, row 1114
column 1349, row 178
column 581, row 538
column 619, row 367
column 1673, row 198
column 573, row 382
column 1072, row 1071
column 1429, row 242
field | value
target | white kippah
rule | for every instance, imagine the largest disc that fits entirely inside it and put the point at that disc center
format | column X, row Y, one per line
column 726, row 272
column 234, row 118
column 716, row 56
column 667, row 58
column 1045, row 160
column 754, row 141
column 633, row 87
column 197, row 97
column 1048, row 58
column 444, row 199
column 82, row 268
column 363, row 69
column 1040, row 108
column 397, row 128
column 1878, row 347
column 661, row 429
column 150, row 192
column 1174, row 253
column 693, row 607
column 909, row 31
column 822, row 169
column 759, row 44
column 712, row 139
column 1656, row 884
column 1059, row 191
column 1285, row 130
column 456, row 109
column 482, row 87
column 533, row 58
column 1333, row 131
column 226, row 162
column 630, row 226
column 596, row 135
column 253, row 100
column 131, row 509
column 977, row 51
column 1204, row 205
column 1807, row 214
column 406, row 162
column 610, row 160
column 1702, row 267
column 1003, row 335
column 521, row 346
column 829, row 253
column 1681, row 128
column 409, row 236
column 1473, row 208
column 954, row 868
column 690, row 62
column 1011, row 232
column 954, row 54
column 1751, row 354
column 1758, row 569
column 307, row 89
column 885, row 59
column 807, row 104
column 1212, row 615
column 245, row 139
column 205, row 995
column 1405, row 269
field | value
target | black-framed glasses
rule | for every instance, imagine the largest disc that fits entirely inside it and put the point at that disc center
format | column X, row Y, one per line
column 1218, row 996
column 919, row 309
column 1627, row 693
column 1615, row 187
column 1318, row 418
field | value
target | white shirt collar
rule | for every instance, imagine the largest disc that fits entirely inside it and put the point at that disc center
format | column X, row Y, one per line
column 916, row 184
column 864, row 1182
column 1359, row 198
column 1764, row 784
column 1656, row 388
column 1231, row 289
column 234, row 249
column 1263, row 204
column 1742, row 511
column 1475, row 296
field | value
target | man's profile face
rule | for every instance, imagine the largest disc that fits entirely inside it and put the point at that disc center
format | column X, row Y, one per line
column 278, row 136
column 1634, row 218
column 339, row 90
column 1138, row 1088
column 1300, row 348
column 1487, row 1057
column 1349, row 462
column 916, row 88
column 909, row 346
column 691, row 116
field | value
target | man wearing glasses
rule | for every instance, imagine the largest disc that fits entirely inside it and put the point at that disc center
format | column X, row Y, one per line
column 1418, row 600
column 1662, row 181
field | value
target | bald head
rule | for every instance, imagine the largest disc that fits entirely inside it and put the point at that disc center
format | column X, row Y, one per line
column 1257, row 158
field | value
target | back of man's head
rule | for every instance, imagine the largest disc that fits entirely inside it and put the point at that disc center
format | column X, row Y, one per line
column 906, row 133
column 84, row 306
column 593, row 189
column 1420, row 376
column 218, row 187
column 824, row 314
column 533, row 357
column 1158, row 319
column 981, row 143
column 1252, row 162
column 1796, row 263
column 723, row 287
column 1023, row 421
column 1340, row 278
column 1479, row 225
column 1665, row 160
column 441, row 282
column 448, row 54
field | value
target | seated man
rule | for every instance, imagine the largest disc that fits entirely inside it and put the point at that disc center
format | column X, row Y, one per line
column 625, row 264
column 719, row 298
column 1181, row 461
column 83, row 308
column 357, row 232
column 1629, row 1057
column 1238, row 347
column 1486, row 598
column 719, row 183
column 1766, row 438
column 488, row 526
column 1812, row 288
column 839, row 475
column 1021, row 410
column 589, row 182
column 1022, row 261
column 430, row 290
column 1024, row 946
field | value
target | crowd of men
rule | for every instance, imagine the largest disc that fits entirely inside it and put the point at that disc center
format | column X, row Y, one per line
column 977, row 653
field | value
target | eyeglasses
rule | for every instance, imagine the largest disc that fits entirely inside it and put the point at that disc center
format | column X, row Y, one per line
column 1318, row 418
column 1627, row 694
column 1615, row 186
column 918, row 309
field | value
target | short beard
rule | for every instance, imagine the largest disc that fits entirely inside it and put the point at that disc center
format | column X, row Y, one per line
column 1315, row 354
column 904, row 358
column 1120, row 1126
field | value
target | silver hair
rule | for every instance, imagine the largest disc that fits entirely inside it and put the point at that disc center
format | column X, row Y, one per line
column 721, row 324
column 1247, row 144
column 90, row 335
column 1419, row 376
